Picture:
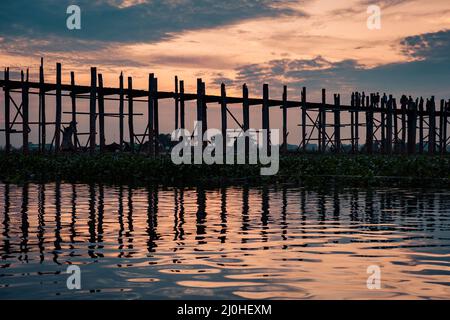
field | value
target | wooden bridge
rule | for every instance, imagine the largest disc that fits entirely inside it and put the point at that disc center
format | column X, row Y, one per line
column 407, row 126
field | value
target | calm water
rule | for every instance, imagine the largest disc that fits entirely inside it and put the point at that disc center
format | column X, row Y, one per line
column 264, row 243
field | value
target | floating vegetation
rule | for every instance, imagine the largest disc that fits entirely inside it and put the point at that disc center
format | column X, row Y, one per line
column 116, row 168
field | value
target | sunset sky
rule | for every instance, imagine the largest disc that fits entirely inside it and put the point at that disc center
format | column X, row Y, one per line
column 312, row 43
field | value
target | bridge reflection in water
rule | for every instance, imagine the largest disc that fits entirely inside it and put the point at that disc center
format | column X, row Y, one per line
column 236, row 242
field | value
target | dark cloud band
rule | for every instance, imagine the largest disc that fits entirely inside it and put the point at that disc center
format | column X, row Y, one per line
column 104, row 20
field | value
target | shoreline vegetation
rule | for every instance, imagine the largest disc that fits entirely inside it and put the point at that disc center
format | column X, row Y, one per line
column 308, row 169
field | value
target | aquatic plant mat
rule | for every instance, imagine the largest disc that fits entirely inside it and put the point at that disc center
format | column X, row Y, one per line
column 126, row 168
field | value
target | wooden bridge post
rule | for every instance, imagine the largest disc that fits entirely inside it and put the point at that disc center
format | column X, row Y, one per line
column 92, row 110
column 101, row 113
column 73, row 96
column 131, row 113
column 303, row 97
column 445, row 125
column 389, row 125
column 383, row 122
column 404, row 111
column 369, row 126
column 25, row 106
column 7, row 112
column 246, row 118
column 359, row 100
column 156, row 115
column 42, row 113
column 432, row 126
column 412, row 126
column 182, row 115
column 421, row 136
column 394, row 113
column 40, row 107
column 121, row 111
column 58, row 109
column 323, row 122
column 337, row 123
column 204, row 108
column 352, row 121
column 199, row 107
column 265, row 114
column 177, row 101
column 441, row 127
column 285, row 133
column 151, row 114
column 223, row 112
column 446, row 110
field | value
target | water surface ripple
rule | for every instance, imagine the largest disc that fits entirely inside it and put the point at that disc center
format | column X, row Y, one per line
column 284, row 242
